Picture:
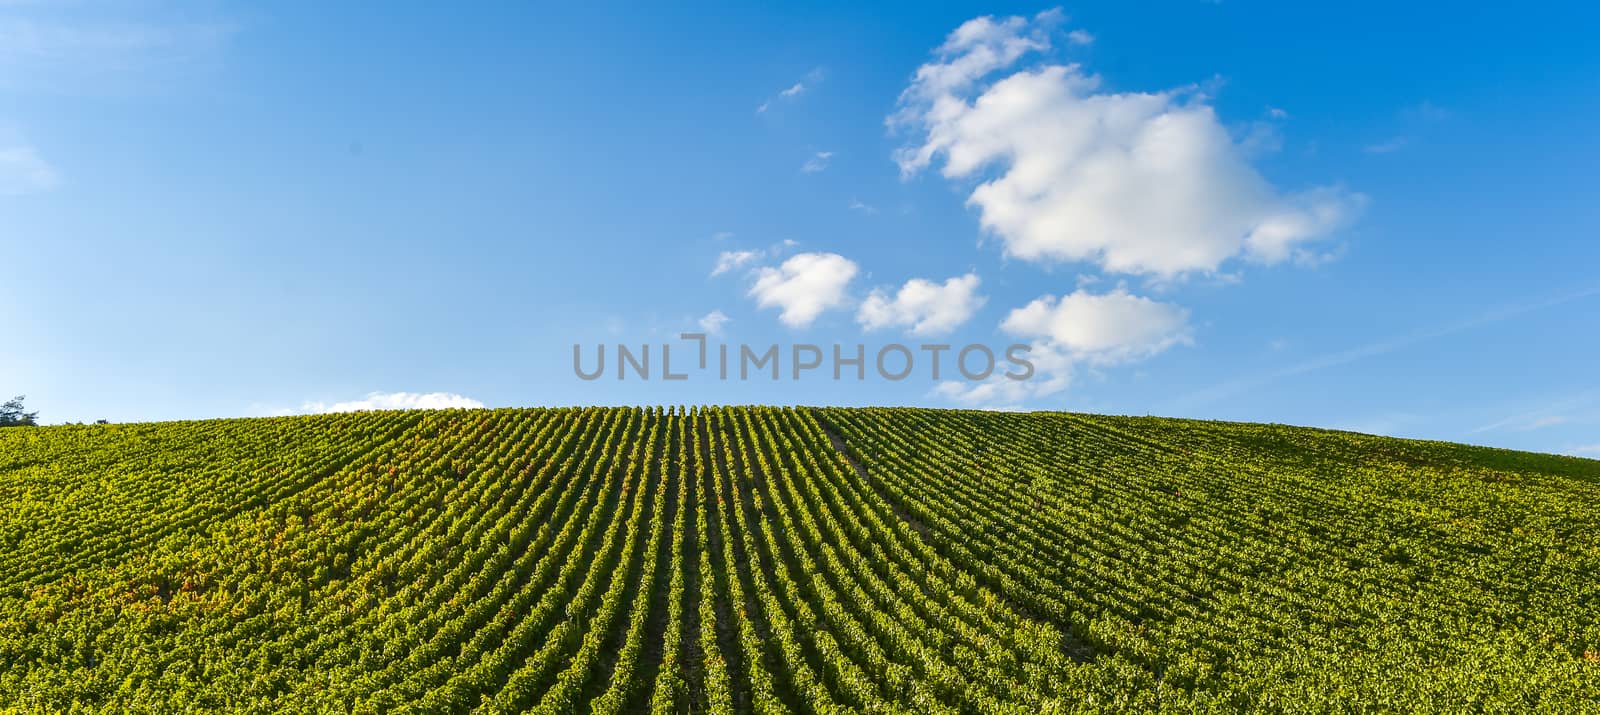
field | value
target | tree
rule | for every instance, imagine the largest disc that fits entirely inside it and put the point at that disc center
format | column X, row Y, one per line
column 11, row 414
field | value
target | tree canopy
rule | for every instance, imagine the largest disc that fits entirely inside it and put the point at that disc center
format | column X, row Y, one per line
column 12, row 414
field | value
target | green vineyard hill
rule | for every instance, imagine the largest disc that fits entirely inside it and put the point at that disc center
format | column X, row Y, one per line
column 763, row 559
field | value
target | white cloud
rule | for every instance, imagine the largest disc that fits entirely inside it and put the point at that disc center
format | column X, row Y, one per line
column 1105, row 328
column 927, row 308
column 395, row 401
column 1277, row 113
column 23, row 171
column 1586, row 449
column 804, row 286
column 817, row 162
column 974, row 50
column 713, row 321
column 1077, row 329
column 794, row 90
column 1137, row 182
column 730, row 260
column 1080, row 37
column 992, row 394
column 1053, row 371
column 863, row 207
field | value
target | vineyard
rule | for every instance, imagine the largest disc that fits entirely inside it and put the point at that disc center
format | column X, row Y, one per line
column 788, row 560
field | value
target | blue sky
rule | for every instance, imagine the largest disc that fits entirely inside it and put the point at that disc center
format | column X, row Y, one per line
column 1354, row 216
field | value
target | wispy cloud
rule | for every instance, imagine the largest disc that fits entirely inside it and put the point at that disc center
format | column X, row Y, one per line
column 1381, row 347
column 1415, row 120
column 863, row 207
column 731, row 260
column 713, row 321
column 1387, row 146
column 23, row 171
column 1586, row 449
column 1547, row 421
column 818, row 162
column 95, row 48
column 1425, row 112
column 812, row 79
column 1555, row 413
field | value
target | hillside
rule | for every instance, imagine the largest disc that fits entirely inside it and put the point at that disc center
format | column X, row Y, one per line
column 764, row 559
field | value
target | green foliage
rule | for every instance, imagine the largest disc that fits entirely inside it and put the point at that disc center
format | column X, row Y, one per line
column 13, row 414
column 778, row 560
